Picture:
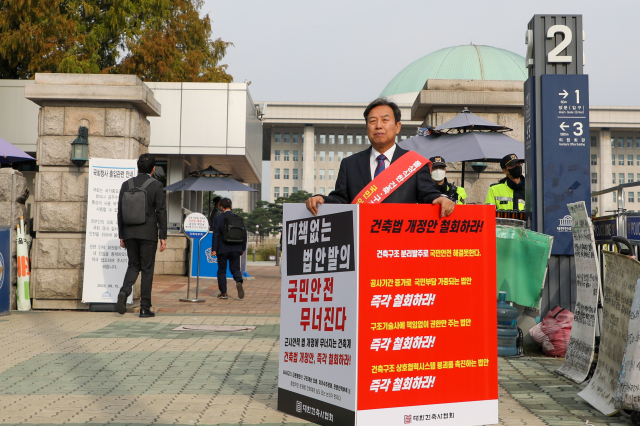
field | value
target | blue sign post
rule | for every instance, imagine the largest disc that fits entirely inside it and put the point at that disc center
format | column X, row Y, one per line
column 633, row 228
column 565, row 154
column 5, row 270
column 605, row 228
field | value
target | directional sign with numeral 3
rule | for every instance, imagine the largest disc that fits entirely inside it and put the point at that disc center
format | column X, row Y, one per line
column 555, row 48
column 565, row 152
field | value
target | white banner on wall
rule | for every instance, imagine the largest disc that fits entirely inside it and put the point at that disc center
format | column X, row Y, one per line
column 105, row 262
column 621, row 276
column 581, row 347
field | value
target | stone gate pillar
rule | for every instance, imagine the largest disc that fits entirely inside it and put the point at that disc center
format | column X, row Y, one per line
column 115, row 109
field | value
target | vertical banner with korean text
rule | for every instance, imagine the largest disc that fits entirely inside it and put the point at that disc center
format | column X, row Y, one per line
column 427, row 334
column 620, row 278
column 577, row 361
column 628, row 393
column 318, row 326
column 105, row 262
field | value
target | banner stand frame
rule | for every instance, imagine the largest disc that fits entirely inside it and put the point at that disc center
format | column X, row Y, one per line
column 188, row 299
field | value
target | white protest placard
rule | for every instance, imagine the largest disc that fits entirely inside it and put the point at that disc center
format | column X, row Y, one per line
column 581, row 347
column 628, row 394
column 319, row 314
column 621, row 276
column 105, row 262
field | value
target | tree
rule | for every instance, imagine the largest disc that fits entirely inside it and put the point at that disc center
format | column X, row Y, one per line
column 170, row 42
column 266, row 218
column 35, row 36
column 158, row 40
column 296, row 197
column 262, row 220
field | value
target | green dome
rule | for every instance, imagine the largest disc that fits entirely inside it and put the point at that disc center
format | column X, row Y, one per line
column 469, row 62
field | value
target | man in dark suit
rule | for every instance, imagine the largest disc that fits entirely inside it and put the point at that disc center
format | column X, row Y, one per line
column 141, row 241
column 357, row 171
column 227, row 252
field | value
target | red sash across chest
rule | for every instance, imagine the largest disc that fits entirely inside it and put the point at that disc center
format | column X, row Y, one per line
column 391, row 178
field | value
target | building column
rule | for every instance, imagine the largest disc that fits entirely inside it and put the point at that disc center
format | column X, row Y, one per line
column 605, row 169
column 174, row 198
column 308, row 164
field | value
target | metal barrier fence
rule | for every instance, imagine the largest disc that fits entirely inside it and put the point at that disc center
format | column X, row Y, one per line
column 560, row 287
column 623, row 224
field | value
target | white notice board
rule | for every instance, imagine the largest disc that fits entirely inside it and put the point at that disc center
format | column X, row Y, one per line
column 105, row 262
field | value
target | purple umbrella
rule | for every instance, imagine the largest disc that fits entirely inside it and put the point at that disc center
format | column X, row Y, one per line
column 11, row 154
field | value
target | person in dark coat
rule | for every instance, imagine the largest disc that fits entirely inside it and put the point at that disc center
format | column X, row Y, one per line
column 358, row 170
column 225, row 252
column 215, row 212
column 141, row 241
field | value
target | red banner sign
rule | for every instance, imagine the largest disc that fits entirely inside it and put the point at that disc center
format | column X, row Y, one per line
column 427, row 320
column 388, row 315
column 391, row 178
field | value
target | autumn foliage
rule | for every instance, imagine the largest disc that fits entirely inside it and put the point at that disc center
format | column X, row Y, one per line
column 158, row 40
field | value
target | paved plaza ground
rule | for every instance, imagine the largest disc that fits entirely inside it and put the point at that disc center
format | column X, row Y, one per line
column 102, row 368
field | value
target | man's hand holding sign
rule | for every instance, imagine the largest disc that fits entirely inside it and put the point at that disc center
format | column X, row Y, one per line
column 384, row 172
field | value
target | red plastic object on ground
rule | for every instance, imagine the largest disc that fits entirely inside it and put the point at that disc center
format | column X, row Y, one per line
column 553, row 332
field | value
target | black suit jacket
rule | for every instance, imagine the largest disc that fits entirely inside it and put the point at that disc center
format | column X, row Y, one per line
column 156, row 205
column 355, row 174
column 217, row 244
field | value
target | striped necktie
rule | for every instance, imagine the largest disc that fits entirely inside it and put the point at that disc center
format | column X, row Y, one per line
column 380, row 166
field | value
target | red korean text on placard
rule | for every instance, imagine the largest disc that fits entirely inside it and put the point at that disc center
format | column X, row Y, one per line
column 323, row 318
column 311, row 289
column 426, row 288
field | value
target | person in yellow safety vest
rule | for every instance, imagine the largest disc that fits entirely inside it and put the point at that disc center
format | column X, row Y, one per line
column 438, row 174
column 510, row 188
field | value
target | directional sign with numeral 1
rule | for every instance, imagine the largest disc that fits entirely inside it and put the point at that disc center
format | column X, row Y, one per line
column 565, row 153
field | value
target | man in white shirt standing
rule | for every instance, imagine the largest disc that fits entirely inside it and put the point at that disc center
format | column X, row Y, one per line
column 358, row 170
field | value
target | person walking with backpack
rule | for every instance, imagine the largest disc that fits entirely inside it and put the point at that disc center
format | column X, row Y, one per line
column 229, row 241
column 142, row 219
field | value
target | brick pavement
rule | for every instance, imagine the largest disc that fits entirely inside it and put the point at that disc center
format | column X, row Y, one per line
column 262, row 294
column 101, row 368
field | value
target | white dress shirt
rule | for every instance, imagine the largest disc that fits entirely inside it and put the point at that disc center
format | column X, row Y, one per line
column 373, row 161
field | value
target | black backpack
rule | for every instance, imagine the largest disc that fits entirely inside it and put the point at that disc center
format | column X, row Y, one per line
column 233, row 231
column 134, row 203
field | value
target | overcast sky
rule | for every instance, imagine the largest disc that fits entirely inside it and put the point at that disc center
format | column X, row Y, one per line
column 348, row 50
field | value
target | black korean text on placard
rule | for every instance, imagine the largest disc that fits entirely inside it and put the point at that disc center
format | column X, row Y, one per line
column 322, row 244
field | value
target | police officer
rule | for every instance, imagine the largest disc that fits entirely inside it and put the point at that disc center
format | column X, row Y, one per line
column 510, row 188
column 438, row 174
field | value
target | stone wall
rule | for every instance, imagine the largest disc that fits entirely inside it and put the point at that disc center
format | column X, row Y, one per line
column 114, row 109
column 13, row 193
column 172, row 261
